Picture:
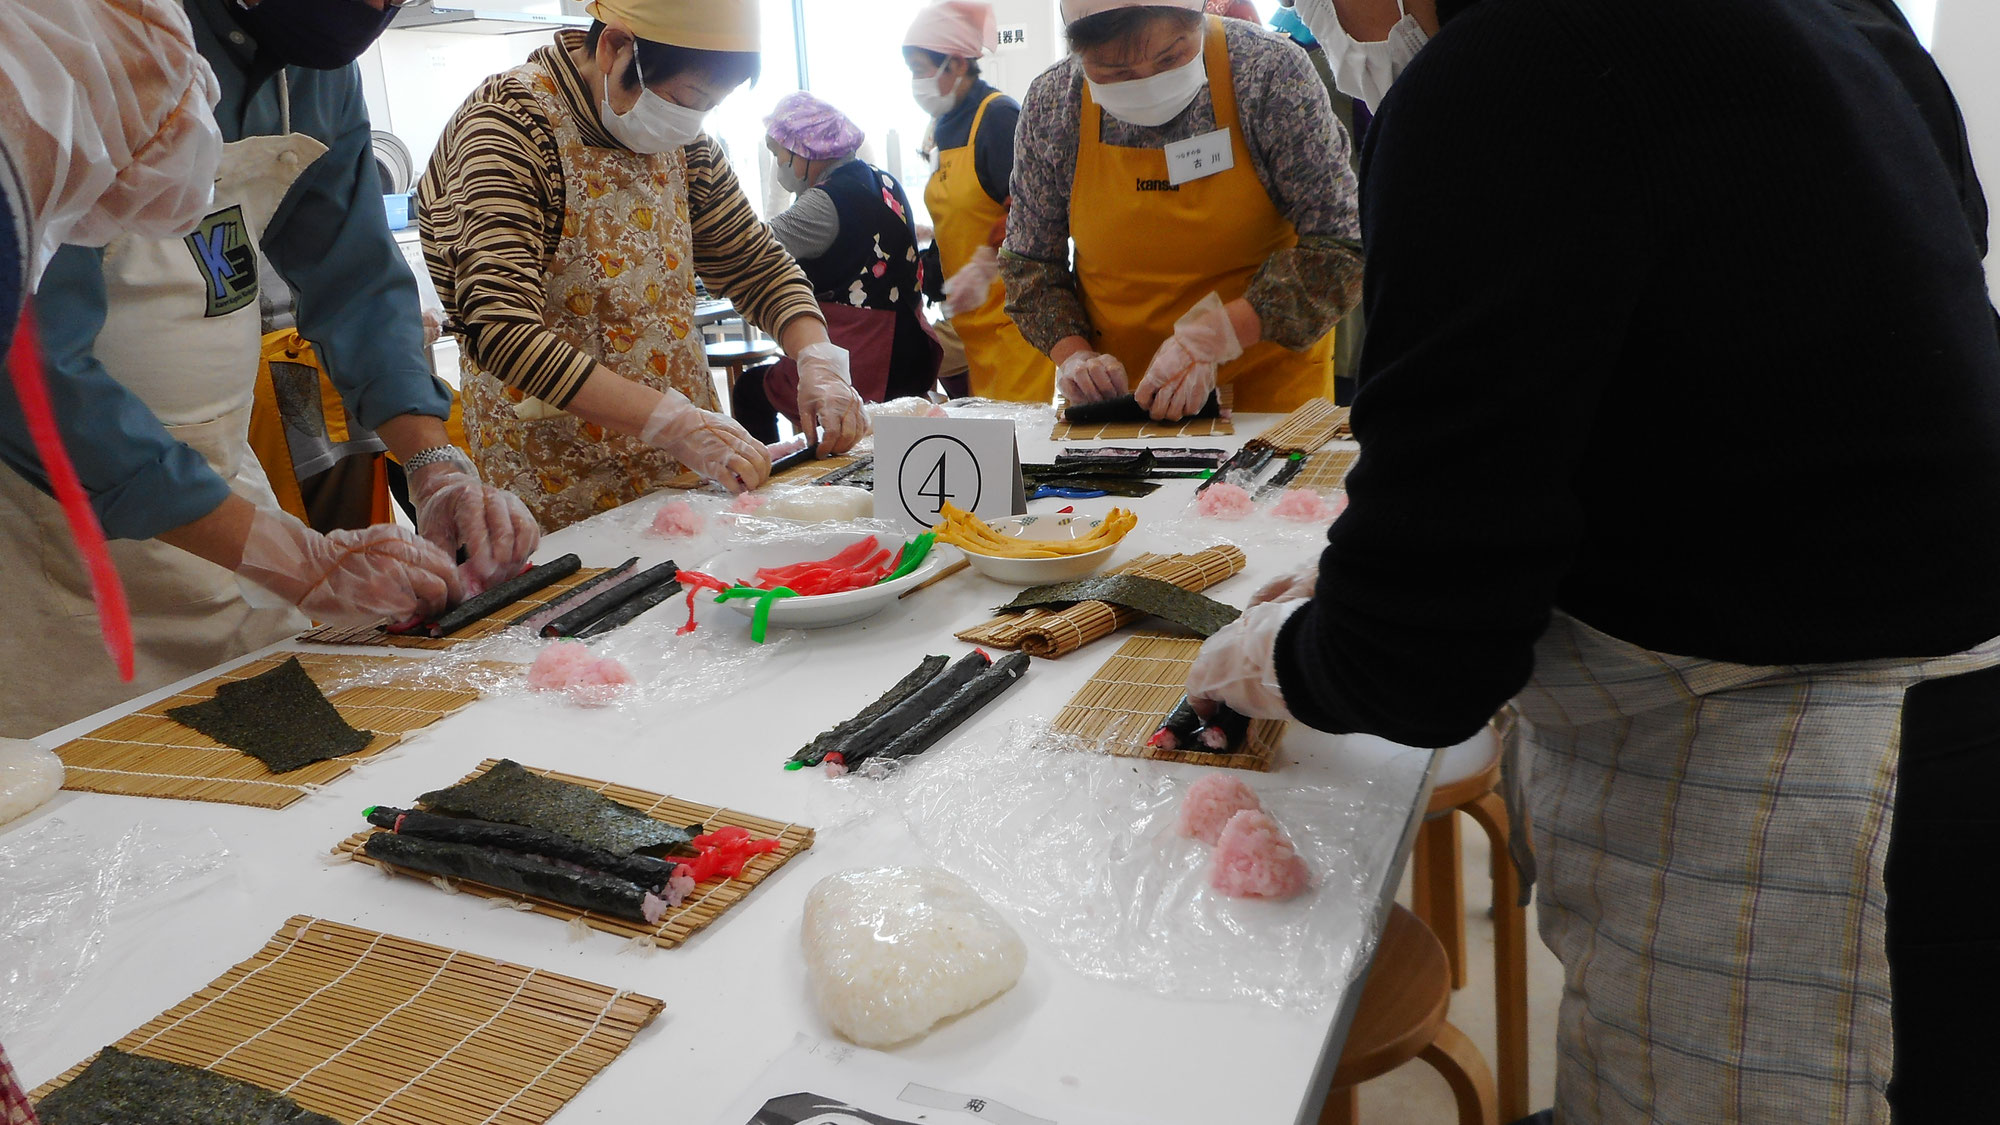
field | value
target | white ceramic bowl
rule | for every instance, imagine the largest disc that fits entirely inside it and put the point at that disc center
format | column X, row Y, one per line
column 825, row 610
column 1040, row 572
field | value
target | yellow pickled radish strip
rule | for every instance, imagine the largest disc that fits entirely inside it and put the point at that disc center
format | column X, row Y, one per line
column 962, row 529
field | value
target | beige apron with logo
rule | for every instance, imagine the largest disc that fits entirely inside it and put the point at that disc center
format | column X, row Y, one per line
column 182, row 332
column 620, row 288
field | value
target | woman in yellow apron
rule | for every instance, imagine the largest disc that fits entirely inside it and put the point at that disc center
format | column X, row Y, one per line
column 568, row 208
column 1198, row 167
column 973, row 130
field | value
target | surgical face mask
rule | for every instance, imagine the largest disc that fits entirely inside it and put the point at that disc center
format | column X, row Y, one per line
column 315, row 34
column 654, row 124
column 1153, row 101
column 1363, row 71
column 789, row 179
column 930, row 96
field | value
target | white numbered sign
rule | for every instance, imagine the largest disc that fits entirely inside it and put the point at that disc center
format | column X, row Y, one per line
column 970, row 463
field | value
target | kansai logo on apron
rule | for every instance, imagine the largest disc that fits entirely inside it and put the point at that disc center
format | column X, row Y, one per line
column 222, row 251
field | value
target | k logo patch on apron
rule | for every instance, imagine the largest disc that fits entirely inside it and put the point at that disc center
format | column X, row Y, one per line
column 226, row 259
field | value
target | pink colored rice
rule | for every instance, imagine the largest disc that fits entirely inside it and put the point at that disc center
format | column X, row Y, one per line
column 1209, row 804
column 1253, row 859
column 1225, row 501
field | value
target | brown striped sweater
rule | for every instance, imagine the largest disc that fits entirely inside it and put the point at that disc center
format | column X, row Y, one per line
column 490, row 207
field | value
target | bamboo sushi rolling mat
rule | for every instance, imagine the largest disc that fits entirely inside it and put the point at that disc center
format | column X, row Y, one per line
column 704, row 905
column 367, row 1027
column 146, row 754
column 1049, row 633
column 1124, row 704
column 1307, row 428
column 810, row 471
column 1326, row 470
column 492, row 623
column 1126, row 431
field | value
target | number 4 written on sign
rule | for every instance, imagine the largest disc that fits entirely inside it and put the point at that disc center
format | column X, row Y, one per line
column 939, row 494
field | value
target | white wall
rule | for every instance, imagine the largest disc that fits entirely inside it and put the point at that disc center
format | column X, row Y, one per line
column 1966, row 41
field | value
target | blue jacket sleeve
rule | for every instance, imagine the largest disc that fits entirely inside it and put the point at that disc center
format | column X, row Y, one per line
column 141, row 481
column 357, row 299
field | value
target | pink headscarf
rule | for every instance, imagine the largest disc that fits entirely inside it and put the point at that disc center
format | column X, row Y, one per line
column 1074, row 10
column 1235, row 9
column 812, row 128
column 959, row 29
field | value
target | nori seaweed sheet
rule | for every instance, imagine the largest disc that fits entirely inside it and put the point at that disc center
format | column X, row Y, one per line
column 118, row 1088
column 1181, row 726
column 1126, row 408
column 1038, row 476
column 511, row 795
column 793, row 460
column 630, row 611
column 814, row 752
column 906, row 714
column 511, row 871
column 505, row 594
column 1164, row 456
column 1232, row 725
column 279, row 718
column 576, row 620
column 963, row 704
column 1189, row 730
column 1203, row 616
column 852, row 473
column 1245, row 463
column 1118, row 462
column 1294, row 464
column 641, row 869
column 576, row 595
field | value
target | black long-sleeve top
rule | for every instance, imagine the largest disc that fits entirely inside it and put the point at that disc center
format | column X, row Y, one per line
column 1731, row 391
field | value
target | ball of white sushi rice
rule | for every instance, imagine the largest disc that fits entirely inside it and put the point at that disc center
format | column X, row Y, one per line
column 28, row 777
column 893, row 950
column 820, row 503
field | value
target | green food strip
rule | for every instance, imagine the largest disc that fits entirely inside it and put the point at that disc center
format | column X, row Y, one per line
column 511, row 795
column 124, row 1089
column 914, row 554
column 1203, row 616
column 760, row 618
column 280, row 718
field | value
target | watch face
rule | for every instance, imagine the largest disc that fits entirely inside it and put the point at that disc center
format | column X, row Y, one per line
column 815, row 1109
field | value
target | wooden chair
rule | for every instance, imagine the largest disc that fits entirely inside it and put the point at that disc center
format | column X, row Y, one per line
column 1468, row 780
column 1402, row 1017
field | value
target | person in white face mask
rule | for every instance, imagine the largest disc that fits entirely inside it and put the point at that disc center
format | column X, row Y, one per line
column 1196, row 165
column 1368, row 42
column 566, row 213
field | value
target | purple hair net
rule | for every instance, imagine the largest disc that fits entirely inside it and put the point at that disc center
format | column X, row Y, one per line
column 812, row 128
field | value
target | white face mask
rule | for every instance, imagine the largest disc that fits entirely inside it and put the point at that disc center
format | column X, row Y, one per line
column 1363, row 71
column 789, row 179
column 1153, row 101
column 930, row 96
column 654, row 124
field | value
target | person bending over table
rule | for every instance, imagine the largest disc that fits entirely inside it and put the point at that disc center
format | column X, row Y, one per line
column 565, row 214
column 852, row 234
column 1753, row 648
column 1230, row 265
column 152, row 346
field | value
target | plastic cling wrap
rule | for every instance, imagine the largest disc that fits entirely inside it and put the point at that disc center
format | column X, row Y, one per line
column 59, row 895
column 1084, row 850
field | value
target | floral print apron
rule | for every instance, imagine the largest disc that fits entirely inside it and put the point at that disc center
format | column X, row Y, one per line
column 621, row 288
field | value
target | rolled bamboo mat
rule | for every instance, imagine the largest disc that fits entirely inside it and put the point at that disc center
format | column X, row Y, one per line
column 479, row 630
column 1124, row 704
column 366, row 1027
column 1126, row 431
column 811, row 470
column 704, row 905
column 1307, row 428
column 1053, row 633
column 1326, row 470
column 146, row 754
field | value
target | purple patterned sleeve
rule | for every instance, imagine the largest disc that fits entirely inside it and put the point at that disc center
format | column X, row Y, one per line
column 1034, row 263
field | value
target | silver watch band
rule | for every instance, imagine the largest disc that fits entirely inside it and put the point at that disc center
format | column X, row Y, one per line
column 437, row 454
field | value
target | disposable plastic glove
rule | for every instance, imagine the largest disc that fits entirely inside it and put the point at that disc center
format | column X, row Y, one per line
column 1296, row 586
column 711, row 444
column 1238, row 666
column 1182, row 374
column 968, row 289
column 349, row 577
column 107, row 110
column 1089, row 376
column 456, row 509
column 828, row 405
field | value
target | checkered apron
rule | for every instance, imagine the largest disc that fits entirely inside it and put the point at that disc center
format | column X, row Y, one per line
column 1710, row 841
column 14, row 1107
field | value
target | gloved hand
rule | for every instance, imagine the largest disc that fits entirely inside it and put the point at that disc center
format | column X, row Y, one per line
column 349, row 577
column 1238, row 665
column 828, row 406
column 968, row 289
column 1182, row 374
column 1088, row 376
column 1296, row 586
column 112, row 125
column 711, row 444
column 456, row 509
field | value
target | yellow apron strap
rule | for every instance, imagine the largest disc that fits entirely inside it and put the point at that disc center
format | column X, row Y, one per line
column 979, row 115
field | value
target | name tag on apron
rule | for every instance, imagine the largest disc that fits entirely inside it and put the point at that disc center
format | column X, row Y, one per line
column 1200, row 157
